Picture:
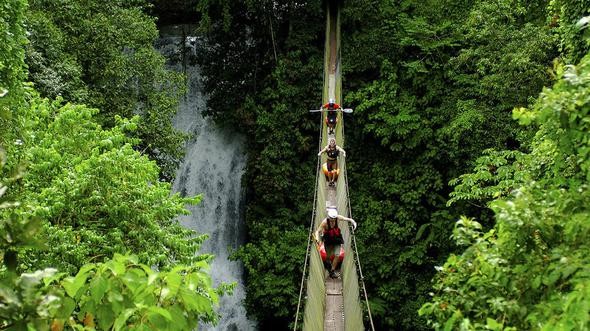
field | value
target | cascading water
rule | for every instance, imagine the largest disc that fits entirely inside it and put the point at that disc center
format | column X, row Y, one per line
column 213, row 166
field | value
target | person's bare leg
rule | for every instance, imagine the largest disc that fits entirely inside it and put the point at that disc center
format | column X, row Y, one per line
column 335, row 262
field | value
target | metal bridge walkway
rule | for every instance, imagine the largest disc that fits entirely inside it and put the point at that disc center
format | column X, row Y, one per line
column 332, row 304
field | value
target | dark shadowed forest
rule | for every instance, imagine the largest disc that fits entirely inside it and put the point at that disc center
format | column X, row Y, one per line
column 468, row 160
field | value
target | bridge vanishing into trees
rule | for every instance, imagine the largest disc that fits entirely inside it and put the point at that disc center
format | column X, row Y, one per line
column 332, row 304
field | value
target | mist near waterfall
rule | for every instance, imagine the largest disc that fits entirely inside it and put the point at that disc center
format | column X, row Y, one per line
column 213, row 166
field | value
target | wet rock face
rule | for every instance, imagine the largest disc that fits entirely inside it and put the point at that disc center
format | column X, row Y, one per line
column 214, row 163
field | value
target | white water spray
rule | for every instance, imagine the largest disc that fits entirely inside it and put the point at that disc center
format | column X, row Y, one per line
column 214, row 163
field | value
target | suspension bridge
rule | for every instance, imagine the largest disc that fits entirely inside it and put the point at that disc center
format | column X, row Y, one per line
column 332, row 303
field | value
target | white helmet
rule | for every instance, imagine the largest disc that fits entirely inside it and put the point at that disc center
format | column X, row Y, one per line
column 332, row 213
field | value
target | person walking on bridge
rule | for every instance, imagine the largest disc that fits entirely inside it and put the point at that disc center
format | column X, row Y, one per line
column 329, row 234
column 331, row 167
column 331, row 116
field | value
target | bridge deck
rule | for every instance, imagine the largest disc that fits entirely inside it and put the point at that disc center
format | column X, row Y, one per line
column 334, row 314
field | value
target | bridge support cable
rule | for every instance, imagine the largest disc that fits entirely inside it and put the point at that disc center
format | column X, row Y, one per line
column 311, row 229
column 356, row 255
column 351, row 293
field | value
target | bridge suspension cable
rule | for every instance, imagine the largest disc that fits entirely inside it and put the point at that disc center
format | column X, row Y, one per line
column 309, row 240
column 356, row 254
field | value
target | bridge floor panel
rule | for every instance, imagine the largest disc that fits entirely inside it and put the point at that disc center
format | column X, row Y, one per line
column 331, row 196
column 334, row 315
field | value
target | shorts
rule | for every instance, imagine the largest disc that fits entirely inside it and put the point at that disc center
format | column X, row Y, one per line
column 332, row 250
column 331, row 165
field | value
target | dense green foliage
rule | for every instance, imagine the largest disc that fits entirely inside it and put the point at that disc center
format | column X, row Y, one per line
column 101, row 53
column 454, row 95
column 12, row 71
column 124, row 294
column 15, row 232
column 97, row 195
column 120, row 294
column 530, row 272
column 568, row 17
column 432, row 84
column 76, row 196
column 440, row 99
column 269, row 101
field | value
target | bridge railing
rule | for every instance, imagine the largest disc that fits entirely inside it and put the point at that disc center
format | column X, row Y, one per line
column 315, row 298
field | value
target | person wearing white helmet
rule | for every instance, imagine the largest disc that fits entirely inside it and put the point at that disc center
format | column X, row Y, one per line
column 329, row 233
column 331, row 105
column 331, row 118
column 333, row 151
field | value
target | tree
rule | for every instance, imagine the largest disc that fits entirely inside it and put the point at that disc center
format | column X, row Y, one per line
column 77, row 155
column 95, row 194
column 101, row 54
column 431, row 89
column 568, row 16
column 440, row 97
column 12, row 70
column 531, row 270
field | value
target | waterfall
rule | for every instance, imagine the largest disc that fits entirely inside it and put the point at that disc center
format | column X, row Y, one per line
column 214, row 163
